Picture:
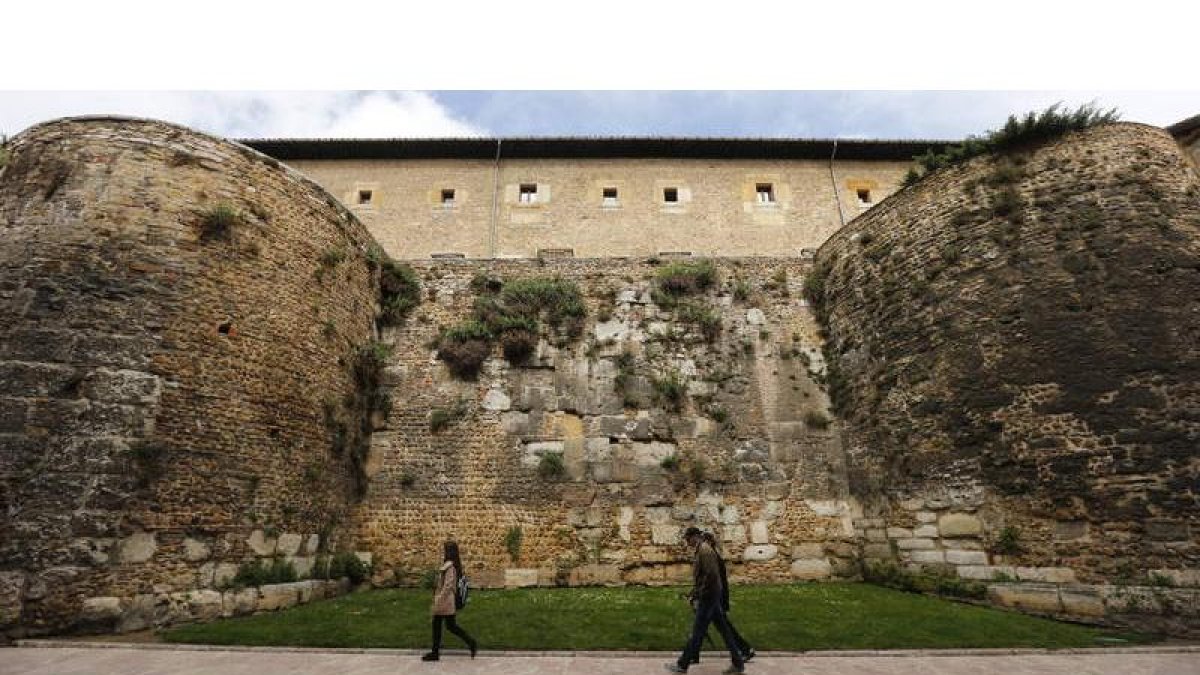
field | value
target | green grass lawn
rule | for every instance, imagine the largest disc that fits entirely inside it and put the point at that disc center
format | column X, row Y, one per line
column 787, row 617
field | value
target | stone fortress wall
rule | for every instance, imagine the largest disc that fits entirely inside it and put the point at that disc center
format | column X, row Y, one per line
column 167, row 396
column 747, row 464
column 161, row 391
column 1015, row 355
column 718, row 212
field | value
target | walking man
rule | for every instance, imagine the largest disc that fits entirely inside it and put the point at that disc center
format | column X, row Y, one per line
column 706, row 593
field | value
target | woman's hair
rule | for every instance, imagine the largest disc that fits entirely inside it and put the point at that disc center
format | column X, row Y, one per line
column 451, row 555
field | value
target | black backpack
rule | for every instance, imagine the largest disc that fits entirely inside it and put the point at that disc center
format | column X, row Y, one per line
column 460, row 593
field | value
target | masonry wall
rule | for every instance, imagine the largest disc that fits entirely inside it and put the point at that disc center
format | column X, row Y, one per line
column 1013, row 347
column 161, row 390
column 717, row 212
column 748, row 465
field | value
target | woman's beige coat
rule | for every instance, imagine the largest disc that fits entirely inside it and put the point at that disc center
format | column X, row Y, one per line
column 443, row 595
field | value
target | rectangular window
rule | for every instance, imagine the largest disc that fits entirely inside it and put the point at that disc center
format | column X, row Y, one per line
column 528, row 193
column 448, row 197
column 610, row 196
column 766, row 193
column 864, row 197
column 671, row 195
column 364, row 196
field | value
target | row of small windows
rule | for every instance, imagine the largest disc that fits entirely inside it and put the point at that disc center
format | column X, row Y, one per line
column 528, row 194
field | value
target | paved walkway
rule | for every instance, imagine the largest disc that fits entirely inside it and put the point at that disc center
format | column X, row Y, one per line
column 107, row 658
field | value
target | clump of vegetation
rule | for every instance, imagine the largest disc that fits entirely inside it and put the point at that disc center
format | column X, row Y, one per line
column 464, row 348
column 255, row 573
column 1017, row 133
column 670, row 462
column 1008, row 542
column 512, row 542
column 741, row 290
column 511, row 313
column 706, row 319
column 686, row 278
column 440, row 418
column 551, row 466
column 343, row 564
column 219, row 223
column 3, row 151
column 399, row 291
column 350, row 426
column 815, row 419
column 333, row 256
column 670, row 391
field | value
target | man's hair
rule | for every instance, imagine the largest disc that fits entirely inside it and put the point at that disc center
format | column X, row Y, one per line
column 692, row 532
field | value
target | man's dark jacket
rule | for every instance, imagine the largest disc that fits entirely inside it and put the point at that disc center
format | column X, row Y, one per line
column 707, row 576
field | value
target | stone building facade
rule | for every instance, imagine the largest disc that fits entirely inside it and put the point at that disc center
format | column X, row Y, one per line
column 592, row 198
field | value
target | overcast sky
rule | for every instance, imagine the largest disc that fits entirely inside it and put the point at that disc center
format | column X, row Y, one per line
column 819, row 114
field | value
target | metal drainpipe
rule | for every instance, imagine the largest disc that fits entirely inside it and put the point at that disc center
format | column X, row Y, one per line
column 836, row 196
column 495, row 202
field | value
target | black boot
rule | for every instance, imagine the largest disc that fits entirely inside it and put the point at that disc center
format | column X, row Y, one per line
column 431, row 656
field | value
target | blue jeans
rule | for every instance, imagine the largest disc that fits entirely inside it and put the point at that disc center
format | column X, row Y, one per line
column 707, row 613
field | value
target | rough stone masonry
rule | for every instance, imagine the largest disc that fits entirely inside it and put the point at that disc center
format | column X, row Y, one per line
column 1008, row 346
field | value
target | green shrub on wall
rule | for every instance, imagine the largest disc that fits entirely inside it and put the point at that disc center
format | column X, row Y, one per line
column 1017, row 133
column 512, row 313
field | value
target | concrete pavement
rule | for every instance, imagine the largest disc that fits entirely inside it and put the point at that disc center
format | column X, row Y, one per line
column 51, row 658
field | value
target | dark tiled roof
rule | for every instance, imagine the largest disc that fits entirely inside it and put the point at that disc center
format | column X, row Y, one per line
column 623, row 147
column 1185, row 127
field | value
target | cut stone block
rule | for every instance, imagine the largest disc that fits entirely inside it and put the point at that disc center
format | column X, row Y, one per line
column 520, row 577
column 758, row 532
column 1027, row 597
column 914, row 544
column 195, row 550
column 665, row 534
column 926, row 517
column 809, row 550
column 899, row 533
column 959, row 525
column 760, row 553
column 260, row 543
column 289, row 543
column 1051, row 575
column 928, row 531
column 496, row 399
column 987, row 572
column 810, row 570
column 956, row 557
column 137, row 547
column 927, row 557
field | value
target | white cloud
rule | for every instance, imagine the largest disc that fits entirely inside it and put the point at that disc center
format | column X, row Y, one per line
column 251, row 114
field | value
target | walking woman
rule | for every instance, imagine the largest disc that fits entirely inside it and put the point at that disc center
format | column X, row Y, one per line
column 445, row 603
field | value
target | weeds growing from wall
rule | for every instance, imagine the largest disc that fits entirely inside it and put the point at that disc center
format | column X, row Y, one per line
column 670, row 391
column 441, row 418
column 1018, row 133
column 511, row 313
column 399, row 291
column 551, row 466
column 219, row 223
column 255, row 573
column 512, row 542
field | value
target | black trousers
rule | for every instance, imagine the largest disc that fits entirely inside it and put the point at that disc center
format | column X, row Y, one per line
column 710, row 613
column 454, row 628
column 742, row 645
